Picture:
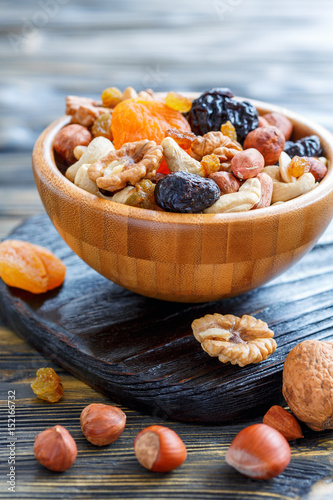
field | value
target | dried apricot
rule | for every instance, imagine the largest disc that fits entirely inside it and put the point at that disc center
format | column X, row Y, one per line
column 111, row 97
column 30, row 267
column 229, row 130
column 298, row 166
column 178, row 102
column 135, row 119
column 47, row 385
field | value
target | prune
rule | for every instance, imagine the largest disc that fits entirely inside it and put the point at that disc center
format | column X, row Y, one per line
column 307, row 146
column 215, row 107
column 186, row 193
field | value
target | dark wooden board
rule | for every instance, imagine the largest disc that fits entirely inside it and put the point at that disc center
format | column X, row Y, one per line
column 141, row 352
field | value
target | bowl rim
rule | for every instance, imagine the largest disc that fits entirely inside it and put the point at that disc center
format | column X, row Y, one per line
column 48, row 170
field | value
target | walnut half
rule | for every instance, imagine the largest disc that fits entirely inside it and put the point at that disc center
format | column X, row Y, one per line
column 241, row 341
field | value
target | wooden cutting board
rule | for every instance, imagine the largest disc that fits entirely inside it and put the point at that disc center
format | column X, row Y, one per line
column 141, row 351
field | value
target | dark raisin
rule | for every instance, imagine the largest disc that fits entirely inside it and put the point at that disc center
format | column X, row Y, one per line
column 215, row 107
column 186, row 193
column 307, row 146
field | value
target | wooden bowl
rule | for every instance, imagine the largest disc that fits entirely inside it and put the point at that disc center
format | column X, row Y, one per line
column 185, row 257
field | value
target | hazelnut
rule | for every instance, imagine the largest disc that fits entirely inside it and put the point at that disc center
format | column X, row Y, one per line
column 68, row 138
column 226, row 181
column 259, row 452
column 262, row 122
column 102, row 424
column 159, row 449
column 247, row 164
column 317, row 168
column 269, row 141
column 278, row 418
column 266, row 183
column 281, row 122
column 55, row 449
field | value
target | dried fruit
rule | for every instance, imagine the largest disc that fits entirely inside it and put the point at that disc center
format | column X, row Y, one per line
column 281, row 122
column 307, row 383
column 47, row 385
column 30, row 267
column 178, row 102
column 186, row 193
column 298, row 166
column 229, row 130
column 102, row 424
column 183, row 139
column 135, row 120
column 215, row 107
column 269, row 141
column 55, row 449
column 102, row 126
column 247, row 164
column 159, row 449
column 241, row 341
column 259, row 452
column 278, row 418
column 143, row 196
column 111, row 97
column 210, row 164
column 307, row 146
column 68, row 138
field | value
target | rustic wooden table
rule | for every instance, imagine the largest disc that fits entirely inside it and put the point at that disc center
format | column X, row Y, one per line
column 276, row 51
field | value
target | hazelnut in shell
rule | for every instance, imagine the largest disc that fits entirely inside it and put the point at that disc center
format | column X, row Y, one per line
column 159, row 449
column 259, row 452
column 102, row 424
column 55, row 449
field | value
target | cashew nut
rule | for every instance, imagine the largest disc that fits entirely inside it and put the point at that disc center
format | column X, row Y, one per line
column 99, row 147
column 83, row 180
column 285, row 191
column 122, row 195
column 284, row 162
column 247, row 196
column 273, row 171
column 78, row 151
column 178, row 160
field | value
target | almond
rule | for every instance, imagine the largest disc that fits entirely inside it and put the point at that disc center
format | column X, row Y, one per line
column 278, row 418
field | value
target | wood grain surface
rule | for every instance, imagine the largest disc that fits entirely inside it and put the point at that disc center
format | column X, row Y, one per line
column 280, row 52
column 142, row 353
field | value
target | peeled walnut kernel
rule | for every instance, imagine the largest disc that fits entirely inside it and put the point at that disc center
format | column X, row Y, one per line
column 47, row 385
column 241, row 341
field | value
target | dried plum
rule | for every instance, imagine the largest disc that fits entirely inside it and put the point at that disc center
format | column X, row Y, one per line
column 186, row 193
column 215, row 107
column 307, row 146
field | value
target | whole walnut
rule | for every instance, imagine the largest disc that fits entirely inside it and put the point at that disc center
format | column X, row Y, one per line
column 281, row 122
column 269, row 141
column 308, row 383
column 68, row 138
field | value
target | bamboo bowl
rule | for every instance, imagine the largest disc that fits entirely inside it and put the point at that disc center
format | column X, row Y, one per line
column 185, row 257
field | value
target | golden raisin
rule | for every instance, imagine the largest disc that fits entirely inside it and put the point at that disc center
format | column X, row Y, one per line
column 298, row 166
column 183, row 139
column 143, row 196
column 47, row 385
column 102, row 126
column 111, row 97
column 210, row 164
column 178, row 102
column 229, row 130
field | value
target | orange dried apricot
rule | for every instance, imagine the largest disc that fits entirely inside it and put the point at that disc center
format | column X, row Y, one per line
column 298, row 166
column 135, row 119
column 30, row 267
column 47, row 385
column 178, row 102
